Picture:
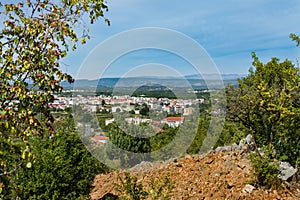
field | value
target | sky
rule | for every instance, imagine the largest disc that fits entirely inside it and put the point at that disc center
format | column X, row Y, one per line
column 227, row 30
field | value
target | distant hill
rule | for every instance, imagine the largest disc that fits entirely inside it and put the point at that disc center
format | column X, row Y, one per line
column 195, row 80
column 214, row 76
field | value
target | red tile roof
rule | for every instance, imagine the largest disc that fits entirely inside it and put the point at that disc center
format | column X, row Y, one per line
column 174, row 119
column 99, row 137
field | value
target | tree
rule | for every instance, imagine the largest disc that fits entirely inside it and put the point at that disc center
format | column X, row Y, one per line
column 36, row 36
column 130, row 139
column 295, row 38
column 62, row 169
column 144, row 110
column 103, row 103
column 267, row 103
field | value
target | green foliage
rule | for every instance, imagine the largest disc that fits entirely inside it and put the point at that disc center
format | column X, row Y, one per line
column 132, row 112
column 161, row 188
column 131, row 189
column 267, row 103
column 232, row 132
column 295, row 38
column 36, row 35
column 132, row 139
column 265, row 166
column 144, row 110
column 203, row 124
column 62, row 169
column 154, row 91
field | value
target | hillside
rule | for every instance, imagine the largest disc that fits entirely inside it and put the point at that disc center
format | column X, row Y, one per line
column 216, row 175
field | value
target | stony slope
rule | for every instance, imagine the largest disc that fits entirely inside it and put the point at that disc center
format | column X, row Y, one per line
column 216, row 175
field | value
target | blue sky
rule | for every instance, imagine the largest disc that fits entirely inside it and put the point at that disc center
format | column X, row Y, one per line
column 228, row 30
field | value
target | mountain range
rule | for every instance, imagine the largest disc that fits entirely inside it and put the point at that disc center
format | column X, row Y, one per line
column 195, row 80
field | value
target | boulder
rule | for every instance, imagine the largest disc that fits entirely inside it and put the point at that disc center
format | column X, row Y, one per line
column 286, row 170
column 249, row 139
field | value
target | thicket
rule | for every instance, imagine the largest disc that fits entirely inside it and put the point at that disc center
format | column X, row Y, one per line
column 62, row 169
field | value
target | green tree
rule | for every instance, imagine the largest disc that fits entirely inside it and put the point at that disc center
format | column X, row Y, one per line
column 267, row 103
column 62, row 169
column 131, row 139
column 144, row 110
column 295, row 38
column 37, row 34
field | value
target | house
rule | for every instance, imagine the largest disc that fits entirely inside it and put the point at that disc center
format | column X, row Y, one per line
column 100, row 139
column 188, row 111
column 173, row 121
column 137, row 120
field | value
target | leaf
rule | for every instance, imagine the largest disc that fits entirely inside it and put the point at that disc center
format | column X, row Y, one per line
column 83, row 41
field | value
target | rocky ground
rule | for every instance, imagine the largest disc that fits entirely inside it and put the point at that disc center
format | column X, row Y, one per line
column 216, row 175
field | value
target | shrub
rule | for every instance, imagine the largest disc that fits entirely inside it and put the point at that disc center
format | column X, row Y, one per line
column 266, row 168
column 131, row 189
column 63, row 169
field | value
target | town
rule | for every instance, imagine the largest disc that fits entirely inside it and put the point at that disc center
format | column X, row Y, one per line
column 138, row 109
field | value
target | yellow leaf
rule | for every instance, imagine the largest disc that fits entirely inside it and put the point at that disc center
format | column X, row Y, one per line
column 23, row 155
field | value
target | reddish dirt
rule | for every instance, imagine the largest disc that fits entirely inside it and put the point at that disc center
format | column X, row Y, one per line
column 221, row 175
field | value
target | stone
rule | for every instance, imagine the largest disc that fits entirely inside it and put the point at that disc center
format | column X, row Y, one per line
column 226, row 148
column 286, row 171
column 248, row 189
column 219, row 149
column 234, row 146
column 178, row 164
column 242, row 144
column 249, row 139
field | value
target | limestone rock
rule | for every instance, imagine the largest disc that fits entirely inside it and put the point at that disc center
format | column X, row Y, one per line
column 249, row 139
column 248, row 189
column 286, row 171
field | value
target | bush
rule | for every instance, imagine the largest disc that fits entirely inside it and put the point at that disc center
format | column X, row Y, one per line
column 131, row 189
column 266, row 168
column 62, row 169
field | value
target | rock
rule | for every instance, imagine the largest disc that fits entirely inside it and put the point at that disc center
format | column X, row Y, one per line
column 241, row 144
column 249, row 139
column 219, row 149
column 178, row 164
column 234, row 146
column 286, row 171
column 226, row 148
column 248, row 189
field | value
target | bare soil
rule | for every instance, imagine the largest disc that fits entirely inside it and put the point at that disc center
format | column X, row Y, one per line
column 216, row 175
